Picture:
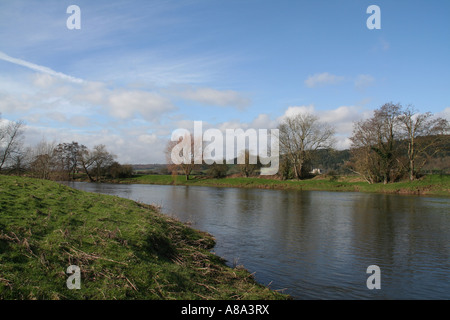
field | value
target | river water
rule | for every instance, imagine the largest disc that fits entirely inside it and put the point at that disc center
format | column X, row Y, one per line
column 315, row 244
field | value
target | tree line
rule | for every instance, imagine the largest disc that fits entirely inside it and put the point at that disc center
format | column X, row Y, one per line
column 49, row 160
column 395, row 143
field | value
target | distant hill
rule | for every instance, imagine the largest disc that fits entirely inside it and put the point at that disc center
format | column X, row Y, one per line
column 326, row 160
column 154, row 168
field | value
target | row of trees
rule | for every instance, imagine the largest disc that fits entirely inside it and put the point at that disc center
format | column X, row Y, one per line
column 246, row 169
column 55, row 161
column 395, row 142
column 189, row 163
column 299, row 137
column 65, row 160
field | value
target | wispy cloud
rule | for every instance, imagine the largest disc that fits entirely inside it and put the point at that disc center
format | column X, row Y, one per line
column 363, row 81
column 214, row 97
column 43, row 69
column 322, row 79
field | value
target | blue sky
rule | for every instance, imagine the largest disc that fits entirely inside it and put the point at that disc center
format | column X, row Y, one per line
column 137, row 70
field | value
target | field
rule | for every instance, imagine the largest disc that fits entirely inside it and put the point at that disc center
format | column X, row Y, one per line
column 125, row 249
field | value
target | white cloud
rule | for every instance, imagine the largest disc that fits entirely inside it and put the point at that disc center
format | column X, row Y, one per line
column 322, row 79
column 342, row 143
column 363, row 81
column 444, row 114
column 80, row 121
column 14, row 103
column 147, row 138
column 130, row 147
column 43, row 80
column 341, row 118
column 48, row 95
column 293, row 110
column 124, row 104
column 263, row 121
column 213, row 97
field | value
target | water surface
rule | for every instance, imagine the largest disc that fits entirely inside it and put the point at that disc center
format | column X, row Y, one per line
column 316, row 244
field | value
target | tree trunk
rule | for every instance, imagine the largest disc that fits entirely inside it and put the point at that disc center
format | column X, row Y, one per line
column 411, row 160
column 411, row 170
column 297, row 176
column 87, row 172
column 299, row 169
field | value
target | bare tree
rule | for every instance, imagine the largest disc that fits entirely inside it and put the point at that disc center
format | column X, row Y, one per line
column 10, row 140
column 300, row 135
column 86, row 159
column 181, row 154
column 68, row 155
column 101, row 159
column 364, row 161
column 385, row 121
column 247, row 168
column 374, row 143
column 415, row 125
column 42, row 159
column 381, row 144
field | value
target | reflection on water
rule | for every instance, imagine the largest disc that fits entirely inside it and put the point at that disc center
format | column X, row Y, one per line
column 317, row 245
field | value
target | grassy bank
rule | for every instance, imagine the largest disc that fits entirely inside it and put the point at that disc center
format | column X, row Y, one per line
column 125, row 250
column 428, row 185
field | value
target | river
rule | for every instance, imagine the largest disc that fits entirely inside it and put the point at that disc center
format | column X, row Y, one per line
column 316, row 244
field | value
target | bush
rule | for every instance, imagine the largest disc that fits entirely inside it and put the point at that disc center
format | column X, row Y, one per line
column 218, row 170
column 118, row 171
column 333, row 175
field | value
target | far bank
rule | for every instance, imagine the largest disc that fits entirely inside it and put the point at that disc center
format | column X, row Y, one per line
column 435, row 185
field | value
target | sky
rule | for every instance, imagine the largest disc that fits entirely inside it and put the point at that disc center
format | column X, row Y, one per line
column 137, row 70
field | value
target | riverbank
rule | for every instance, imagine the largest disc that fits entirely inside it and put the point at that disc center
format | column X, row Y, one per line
column 437, row 185
column 125, row 249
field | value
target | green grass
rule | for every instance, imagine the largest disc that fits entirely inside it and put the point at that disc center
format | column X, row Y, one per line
column 428, row 185
column 125, row 250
